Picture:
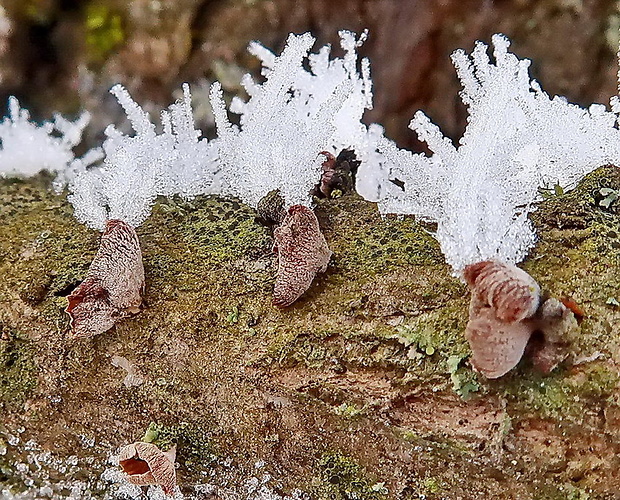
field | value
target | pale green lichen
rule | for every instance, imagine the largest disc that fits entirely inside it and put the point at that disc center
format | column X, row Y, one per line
column 432, row 485
column 464, row 381
column 563, row 396
column 349, row 410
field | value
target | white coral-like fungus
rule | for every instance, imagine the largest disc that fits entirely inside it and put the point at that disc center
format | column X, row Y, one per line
column 290, row 118
column 517, row 140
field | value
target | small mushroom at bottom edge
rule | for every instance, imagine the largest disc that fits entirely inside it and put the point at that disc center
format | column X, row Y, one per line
column 145, row 464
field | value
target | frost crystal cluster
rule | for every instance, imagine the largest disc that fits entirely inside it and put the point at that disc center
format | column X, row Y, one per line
column 291, row 117
column 286, row 123
column 27, row 148
column 517, row 140
column 140, row 167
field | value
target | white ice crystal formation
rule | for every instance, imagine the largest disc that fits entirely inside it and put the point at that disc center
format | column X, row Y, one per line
column 517, row 140
column 291, row 117
column 138, row 168
column 287, row 121
column 27, row 148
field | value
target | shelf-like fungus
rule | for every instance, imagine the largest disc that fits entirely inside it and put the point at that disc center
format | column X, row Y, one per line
column 302, row 253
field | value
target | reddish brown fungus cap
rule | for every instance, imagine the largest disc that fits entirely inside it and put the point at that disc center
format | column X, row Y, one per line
column 113, row 285
column 302, row 253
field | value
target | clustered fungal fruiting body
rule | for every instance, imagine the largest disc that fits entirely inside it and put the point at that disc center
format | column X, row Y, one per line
column 301, row 247
column 502, row 297
column 302, row 253
column 145, row 464
column 504, row 314
column 113, row 285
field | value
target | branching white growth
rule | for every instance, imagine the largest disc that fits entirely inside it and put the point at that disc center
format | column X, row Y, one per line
column 291, row 117
column 573, row 141
column 141, row 167
column 195, row 169
column 27, row 148
column 88, row 199
column 517, row 139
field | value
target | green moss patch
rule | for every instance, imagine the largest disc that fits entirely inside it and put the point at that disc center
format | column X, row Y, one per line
column 366, row 244
column 18, row 371
column 565, row 396
column 104, row 30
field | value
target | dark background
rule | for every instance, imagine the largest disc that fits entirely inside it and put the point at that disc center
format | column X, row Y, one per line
column 63, row 55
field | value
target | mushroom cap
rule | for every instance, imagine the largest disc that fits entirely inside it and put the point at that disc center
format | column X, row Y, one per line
column 145, row 464
column 270, row 207
column 302, row 253
column 510, row 291
column 113, row 285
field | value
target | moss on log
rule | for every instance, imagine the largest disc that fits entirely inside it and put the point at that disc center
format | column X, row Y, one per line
column 359, row 390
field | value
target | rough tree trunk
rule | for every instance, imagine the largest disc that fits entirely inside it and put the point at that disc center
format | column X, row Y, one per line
column 361, row 389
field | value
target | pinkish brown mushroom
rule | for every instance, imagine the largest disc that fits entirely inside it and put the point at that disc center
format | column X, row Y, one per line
column 496, row 346
column 302, row 253
column 507, row 319
column 512, row 293
column 145, row 464
column 113, row 285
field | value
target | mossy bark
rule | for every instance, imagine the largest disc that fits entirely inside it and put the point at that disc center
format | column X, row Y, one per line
column 360, row 390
